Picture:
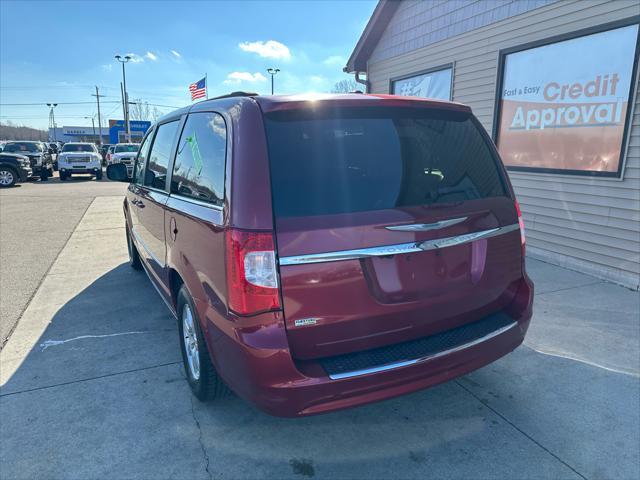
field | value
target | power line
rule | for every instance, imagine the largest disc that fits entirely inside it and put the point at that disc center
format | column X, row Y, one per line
column 33, row 87
column 34, row 117
column 80, row 103
column 44, row 103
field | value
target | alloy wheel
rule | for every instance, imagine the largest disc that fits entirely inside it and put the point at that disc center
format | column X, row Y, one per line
column 190, row 342
column 6, row 177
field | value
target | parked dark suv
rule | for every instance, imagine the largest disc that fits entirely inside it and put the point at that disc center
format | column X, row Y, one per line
column 39, row 156
column 328, row 251
column 13, row 169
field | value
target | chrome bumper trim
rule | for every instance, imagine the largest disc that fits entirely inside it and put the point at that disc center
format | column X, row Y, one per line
column 397, row 249
column 404, row 363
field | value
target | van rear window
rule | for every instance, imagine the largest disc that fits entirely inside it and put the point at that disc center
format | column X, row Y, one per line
column 345, row 160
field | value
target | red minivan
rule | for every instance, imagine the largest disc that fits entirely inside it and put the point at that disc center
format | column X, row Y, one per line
column 327, row 251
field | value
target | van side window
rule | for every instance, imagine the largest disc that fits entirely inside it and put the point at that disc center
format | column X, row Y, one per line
column 156, row 172
column 198, row 171
column 141, row 159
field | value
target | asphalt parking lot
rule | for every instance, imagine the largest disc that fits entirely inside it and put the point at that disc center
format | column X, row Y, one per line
column 36, row 220
column 91, row 384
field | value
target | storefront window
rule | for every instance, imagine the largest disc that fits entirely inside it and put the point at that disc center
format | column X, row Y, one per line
column 564, row 106
column 431, row 84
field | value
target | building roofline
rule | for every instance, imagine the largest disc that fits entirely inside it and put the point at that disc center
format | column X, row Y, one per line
column 376, row 26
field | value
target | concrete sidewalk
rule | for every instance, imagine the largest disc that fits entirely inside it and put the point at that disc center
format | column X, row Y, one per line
column 36, row 221
column 92, row 387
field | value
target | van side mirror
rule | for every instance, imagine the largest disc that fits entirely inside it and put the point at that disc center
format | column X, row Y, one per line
column 118, row 172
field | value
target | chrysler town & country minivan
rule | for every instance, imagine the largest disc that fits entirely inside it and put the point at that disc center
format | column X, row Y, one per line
column 322, row 252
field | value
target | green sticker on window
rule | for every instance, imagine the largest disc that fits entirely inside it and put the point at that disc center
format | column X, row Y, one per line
column 195, row 153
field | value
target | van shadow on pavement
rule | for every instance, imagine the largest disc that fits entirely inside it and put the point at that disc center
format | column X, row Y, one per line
column 102, row 393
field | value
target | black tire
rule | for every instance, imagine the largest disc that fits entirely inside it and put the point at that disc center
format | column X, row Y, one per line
column 63, row 177
column 99, row 175
column 208, row 386
column 134, row 256
column 10, row 177
column 44, row 177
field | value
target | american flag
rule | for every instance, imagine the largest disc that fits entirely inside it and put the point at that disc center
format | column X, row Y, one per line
column 198, row 89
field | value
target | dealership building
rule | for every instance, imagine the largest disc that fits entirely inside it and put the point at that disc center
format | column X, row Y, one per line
column 555, row 83
column 114, row 133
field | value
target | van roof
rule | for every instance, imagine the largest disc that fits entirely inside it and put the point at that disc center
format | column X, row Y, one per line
column 284, row 102
column 270, row 103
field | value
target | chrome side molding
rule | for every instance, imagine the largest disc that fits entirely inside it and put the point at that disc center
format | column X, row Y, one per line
column 404, row 363
column 426, row 227
column 397, row 249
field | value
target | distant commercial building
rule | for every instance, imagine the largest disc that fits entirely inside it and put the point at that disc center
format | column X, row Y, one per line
column 114, row 133
column 118, row 134
column 78, row 134
column 555, row 83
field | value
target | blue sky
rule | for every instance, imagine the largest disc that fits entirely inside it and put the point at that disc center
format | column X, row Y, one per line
column 173, row 45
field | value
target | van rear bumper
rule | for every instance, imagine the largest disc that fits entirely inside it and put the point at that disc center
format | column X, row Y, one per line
column 257, row 365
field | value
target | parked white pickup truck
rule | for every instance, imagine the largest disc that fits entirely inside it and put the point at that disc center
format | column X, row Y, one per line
column 78, row 158
column 124, row 153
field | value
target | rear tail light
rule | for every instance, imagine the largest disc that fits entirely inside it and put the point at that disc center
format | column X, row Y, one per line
column 521, row 224
column 252, row 277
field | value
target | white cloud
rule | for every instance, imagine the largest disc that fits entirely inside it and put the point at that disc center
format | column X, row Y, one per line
column 335, row 61
column 176, row 54
column 152, row 56
column 237, row 77
column 107, row 67
column 268, row 49
column 134, row 58
column 316, row 79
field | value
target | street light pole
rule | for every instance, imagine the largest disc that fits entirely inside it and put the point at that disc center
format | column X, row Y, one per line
column 125, row 96
column 272, row 72
column 52, row 120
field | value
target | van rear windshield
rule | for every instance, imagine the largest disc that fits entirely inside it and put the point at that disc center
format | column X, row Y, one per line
column 348, row 160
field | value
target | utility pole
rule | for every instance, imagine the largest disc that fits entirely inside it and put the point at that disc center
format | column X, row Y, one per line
column 93, row 124
column 97, row 95
column 272, row 72
column 124, row 109
column 52, row 120
column 128, row 121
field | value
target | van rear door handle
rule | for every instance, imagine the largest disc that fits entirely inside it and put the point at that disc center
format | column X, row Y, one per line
column 426, row 227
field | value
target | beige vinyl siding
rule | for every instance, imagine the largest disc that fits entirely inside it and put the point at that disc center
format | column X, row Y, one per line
column 590, row 224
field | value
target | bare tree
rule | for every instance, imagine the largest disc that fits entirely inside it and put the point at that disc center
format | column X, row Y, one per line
column 140, row 110
column 11, row 131
column 346, row 86
column 155, row 114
